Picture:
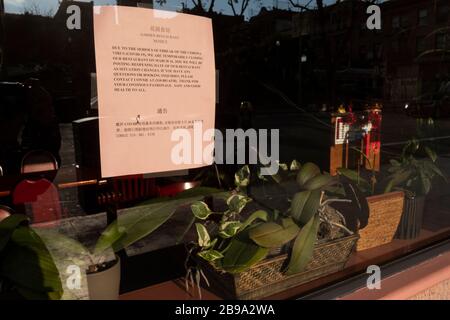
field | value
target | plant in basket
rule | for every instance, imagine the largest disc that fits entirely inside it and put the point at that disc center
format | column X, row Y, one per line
column 270, row 251
column 385, row 205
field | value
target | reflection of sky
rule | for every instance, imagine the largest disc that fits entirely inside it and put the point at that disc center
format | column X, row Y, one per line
column 19, row 6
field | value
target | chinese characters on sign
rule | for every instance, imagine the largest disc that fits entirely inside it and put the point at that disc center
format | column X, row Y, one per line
column 155, row 74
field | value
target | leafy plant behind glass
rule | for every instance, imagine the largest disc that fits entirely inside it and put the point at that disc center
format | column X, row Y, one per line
column 234, row 246
column 129, row 228
column 412, row 174
column 26, row 266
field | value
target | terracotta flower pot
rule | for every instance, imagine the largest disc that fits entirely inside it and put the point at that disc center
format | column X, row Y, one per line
column 105, row 285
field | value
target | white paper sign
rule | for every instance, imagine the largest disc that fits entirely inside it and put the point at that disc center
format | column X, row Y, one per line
column 155, row 74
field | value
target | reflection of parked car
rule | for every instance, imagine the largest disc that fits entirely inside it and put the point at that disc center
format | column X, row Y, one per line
column 436, row 105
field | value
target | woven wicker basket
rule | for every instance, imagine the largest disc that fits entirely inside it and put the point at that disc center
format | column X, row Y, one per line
column 385, row 214
column 266, row 278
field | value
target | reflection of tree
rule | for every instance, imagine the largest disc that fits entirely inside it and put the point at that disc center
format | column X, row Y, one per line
column 318, row 7
column 33, row 8
column 197, row 5
column 238, row 7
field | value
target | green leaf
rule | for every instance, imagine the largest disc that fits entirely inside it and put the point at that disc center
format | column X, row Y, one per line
column 27, row 262
column 273, row 235
column 73, row 248
column 295, row 165
column 260, row 214
column 397, row 179
column 229, row 229
column 431, row 154
column 237, row 203
column 425, row 183
column 395, row 163
column 242, row 253
column 318, row 182
column 304, row 246
column 136, row 224
column 360, row 182
column 308, row 170
column 210, row 255
column 242, row 177
column 283, row 166
column 304, row 205
column 203, row 236
column 434, row 168
column 7, row 227
column 200, row 210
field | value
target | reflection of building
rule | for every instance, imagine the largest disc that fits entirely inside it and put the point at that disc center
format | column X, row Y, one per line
column 403, row 61
column 76, row 52
column 417, row 33
column 345, row 56
column 136, row 3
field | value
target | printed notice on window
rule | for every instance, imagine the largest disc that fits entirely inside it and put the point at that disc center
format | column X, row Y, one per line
column 155, row 79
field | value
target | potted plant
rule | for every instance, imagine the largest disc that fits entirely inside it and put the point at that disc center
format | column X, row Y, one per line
column 103, row 266
column 414, row 176
column 270, row 252
column 27, row 270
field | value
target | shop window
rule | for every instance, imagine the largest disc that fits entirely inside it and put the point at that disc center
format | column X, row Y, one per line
column 421, row 45
column 404, row 22
column 49, row 101
column 423, row 17
column 441, row 41
column 443, row 12
column 396, row 22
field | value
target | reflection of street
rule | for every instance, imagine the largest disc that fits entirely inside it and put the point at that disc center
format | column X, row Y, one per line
column 306, row 136
column 69, row 197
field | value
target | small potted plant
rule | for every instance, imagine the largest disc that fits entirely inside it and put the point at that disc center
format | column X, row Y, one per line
column 103, row 266
column 414, row 176
column 265, row 253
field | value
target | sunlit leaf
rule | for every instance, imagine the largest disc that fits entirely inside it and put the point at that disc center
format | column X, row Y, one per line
column 304, row 205
column 260, row 214
column 273, row 235
column 237, row 203
column 210, row 255
column 242, row 253
column 242, row 177
column 200, row 210
column 303, row 248
column 229, row 229
column 295, row 165
column 318, row 182
column 204, row 239
column 307, row 171
column 138, row 223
